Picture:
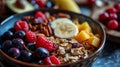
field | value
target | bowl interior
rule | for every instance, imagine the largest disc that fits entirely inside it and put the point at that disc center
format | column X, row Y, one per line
column 96, row 27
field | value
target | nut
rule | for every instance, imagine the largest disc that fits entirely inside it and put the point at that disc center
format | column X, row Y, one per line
column 63, row 15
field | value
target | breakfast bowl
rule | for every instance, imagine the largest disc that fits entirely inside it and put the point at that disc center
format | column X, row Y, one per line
column 79, row 45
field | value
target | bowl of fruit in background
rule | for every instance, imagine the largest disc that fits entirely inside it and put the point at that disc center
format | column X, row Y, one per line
column 48, row 37
column 110, row 19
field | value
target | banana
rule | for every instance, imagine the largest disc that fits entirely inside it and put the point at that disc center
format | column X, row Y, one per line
column 69, row 5
column 64, row 28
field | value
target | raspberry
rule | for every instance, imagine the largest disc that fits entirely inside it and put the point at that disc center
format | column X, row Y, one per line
column 21, row 25
column 31, row 36
column 43, row 42
column 40, row 15
column 52, row 60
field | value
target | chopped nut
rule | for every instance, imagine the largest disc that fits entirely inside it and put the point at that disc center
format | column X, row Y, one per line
column 61, row 50
column 63, row 15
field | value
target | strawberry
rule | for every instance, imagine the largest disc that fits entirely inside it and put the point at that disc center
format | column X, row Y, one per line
column 31, row 36
column 21, row 25
column 51, row 60
column 43, row 42
column 39, row 14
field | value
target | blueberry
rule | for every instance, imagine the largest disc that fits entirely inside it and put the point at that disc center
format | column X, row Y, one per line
column 14, row 52
column 76, row 45
column 48, row 4
column 31, row 46
column 18, row 43
column 6, row 45
column 25, row 56
column 8, row 35
column 19, row 34
column 40, row 54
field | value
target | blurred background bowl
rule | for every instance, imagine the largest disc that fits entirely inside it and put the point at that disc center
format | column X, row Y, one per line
column 96, row 27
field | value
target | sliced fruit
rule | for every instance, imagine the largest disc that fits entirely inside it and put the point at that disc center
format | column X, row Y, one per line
column 64, row 28
column 67, row 5
column 82, row 36
column 27, row 7
column 94, row 41
column 84, row 26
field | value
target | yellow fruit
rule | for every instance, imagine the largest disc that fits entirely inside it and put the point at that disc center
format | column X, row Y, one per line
column 94, row 41
column 84, row 26
column 69, row 5
column 82, row 35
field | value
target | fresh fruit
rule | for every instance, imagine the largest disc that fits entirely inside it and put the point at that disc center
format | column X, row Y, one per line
column 25, row 56
column 31, row 37
column 27, row 6
column 117, row 6
column 41, row 53
column 6, row 45
column 39, row 14
column 112, row 24
column 103, row 17
column 8, row 35
column 49, row 4
column 19, row 34
column 21, row 25
column 43, row 42
column 64, row 28
column 91, row 2
column 82, row 36
column 94, row 41
column 69, row 5
column 85, row 26
column 14, row 52
column 111, row 10
column 31, row 46
column 113, row 16
column 18, row 43
column 52, row 60
column 41, row 3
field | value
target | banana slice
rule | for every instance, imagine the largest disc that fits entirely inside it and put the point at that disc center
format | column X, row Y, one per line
column 64, row 28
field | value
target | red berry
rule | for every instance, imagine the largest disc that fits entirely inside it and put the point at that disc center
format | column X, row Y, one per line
column 41, row 3
column 31, row 36
column 43, row 42
column 21, row 25
column 103, row 17
column 113, row 16
column 111, row 10
column 39, row 15
column 91, row 2
column 117, row 6
column 112, row 24
column 52, row 60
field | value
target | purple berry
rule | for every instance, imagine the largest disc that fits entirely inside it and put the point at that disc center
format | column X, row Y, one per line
column 40, row 53
column 14, row 52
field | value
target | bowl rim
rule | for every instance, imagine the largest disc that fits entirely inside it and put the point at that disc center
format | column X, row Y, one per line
column 46, row 9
